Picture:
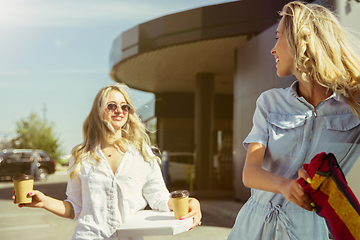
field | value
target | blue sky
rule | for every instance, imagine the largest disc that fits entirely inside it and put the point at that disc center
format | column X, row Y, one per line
column 55, row 53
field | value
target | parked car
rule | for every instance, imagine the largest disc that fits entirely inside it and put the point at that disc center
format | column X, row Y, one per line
column 17, row 161
column 181, row 165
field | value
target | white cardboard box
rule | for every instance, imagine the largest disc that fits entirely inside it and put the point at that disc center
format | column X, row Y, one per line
column 153, row 223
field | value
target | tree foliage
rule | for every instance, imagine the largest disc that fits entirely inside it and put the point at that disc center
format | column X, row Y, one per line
column 33, row 133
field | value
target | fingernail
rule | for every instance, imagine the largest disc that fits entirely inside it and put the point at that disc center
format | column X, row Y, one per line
column 189, row 229
column 181, row 219
column 313, row 204
column 30, row 193
column 308, row 180
column 14, row 201
column 314, row 210
column 21, row 205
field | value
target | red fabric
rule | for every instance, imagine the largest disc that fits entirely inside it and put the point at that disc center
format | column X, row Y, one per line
column 333, row 198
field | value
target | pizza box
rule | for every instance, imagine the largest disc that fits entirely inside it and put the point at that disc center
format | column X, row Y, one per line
column 153, row 223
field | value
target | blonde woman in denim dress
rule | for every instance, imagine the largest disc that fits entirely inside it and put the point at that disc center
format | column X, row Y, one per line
column 318, row 112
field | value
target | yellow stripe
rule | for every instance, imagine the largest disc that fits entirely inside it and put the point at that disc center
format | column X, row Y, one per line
column 317, row 181
column 342, row 207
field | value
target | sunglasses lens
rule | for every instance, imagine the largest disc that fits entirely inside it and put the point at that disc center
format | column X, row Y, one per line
column 125, row 108
column 111, row 107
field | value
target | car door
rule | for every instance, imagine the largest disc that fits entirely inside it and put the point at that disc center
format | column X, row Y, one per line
column 11, row 165
column 26, row 165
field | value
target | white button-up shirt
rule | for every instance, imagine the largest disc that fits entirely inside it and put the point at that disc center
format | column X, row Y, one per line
column 103, row 200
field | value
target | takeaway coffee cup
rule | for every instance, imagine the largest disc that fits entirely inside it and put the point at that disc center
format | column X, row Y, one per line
column 23, row 184
column 180, row 202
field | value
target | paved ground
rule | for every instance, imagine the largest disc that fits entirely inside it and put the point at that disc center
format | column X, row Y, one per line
column 218, row 215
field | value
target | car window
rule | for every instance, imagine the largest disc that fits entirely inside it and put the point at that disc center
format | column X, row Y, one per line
column 15, row 157
column 182, row 159
column 44, row 156
column 26, row 155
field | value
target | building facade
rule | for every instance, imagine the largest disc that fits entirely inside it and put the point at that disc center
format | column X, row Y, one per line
column 206, row 67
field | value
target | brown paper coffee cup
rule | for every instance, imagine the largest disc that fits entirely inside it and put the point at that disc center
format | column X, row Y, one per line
column 180, row 203
column 23, row 184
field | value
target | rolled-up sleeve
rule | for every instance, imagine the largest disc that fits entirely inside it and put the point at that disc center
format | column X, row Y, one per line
column 155, row 191
column 74, row 192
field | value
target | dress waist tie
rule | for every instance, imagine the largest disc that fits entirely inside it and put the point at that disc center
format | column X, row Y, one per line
column 283, row 219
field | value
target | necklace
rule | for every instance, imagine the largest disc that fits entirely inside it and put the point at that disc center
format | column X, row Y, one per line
column 107, row 154
column 111, row 153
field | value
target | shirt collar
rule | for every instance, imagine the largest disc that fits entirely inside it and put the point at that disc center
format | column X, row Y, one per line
column 292, row 92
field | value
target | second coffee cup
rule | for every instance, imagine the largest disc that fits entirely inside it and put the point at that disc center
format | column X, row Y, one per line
column 180, row 203
column 23, row 184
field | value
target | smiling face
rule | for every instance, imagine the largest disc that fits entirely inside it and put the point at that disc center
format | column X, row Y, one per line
column 118, row 117
column 284, row 61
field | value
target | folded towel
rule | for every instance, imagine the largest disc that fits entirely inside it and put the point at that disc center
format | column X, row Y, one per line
column 333, row 197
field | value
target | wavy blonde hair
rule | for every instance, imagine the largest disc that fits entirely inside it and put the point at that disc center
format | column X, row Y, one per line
column 323, row 51
column 96, row 128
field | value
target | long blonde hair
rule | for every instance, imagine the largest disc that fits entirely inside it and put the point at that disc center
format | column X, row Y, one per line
column 322, row 50
column 96, row 128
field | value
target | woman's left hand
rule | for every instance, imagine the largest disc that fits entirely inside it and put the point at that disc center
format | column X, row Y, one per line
column 194, row 211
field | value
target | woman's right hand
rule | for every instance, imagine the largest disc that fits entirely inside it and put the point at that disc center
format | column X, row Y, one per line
column 254, row 176
column 58, row 207
column 39, row 200
column 293, row 192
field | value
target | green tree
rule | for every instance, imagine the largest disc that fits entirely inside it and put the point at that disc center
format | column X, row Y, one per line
column 33, row 133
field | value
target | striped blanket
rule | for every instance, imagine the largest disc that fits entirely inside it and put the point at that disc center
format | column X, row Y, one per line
column 333, row 197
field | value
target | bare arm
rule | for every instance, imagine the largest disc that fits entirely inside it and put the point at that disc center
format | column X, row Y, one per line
column 254, row 176
column 55, row 206
column 60, row 208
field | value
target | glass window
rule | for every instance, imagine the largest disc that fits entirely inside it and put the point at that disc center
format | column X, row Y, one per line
column 26, row 155
column 182, row 159
column 15, row 156
column 44, row 156
column 151, row 126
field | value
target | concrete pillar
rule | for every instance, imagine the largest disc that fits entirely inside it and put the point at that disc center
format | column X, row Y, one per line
column 204, row 121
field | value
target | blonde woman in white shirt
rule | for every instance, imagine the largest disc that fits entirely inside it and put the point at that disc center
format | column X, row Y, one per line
column 113, row 173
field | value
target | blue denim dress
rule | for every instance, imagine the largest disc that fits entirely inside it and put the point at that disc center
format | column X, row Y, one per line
column 293, row 131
